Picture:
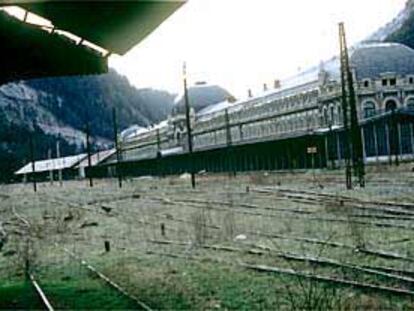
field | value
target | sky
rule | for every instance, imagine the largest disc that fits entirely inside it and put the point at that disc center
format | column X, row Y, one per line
column 241, row 44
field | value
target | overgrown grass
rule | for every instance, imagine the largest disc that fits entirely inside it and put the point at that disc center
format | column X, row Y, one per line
column 18, row 296
column 133, row 228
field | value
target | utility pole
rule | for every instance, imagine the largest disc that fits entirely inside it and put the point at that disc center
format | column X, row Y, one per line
column 349, row 110
column 395, row 137
column 118, row 155
column 31, row 146
column 159, row 155
column 331, row 136
column 49, row 154
column 188, row 124
column 58, row 156
column 88, row 148
column 232, row 167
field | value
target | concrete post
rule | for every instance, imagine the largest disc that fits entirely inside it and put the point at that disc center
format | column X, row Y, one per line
column 338, row 149
column 387, row 140
column 376, row 143
column 412, row 137
column 49, row 153
column 364, row 152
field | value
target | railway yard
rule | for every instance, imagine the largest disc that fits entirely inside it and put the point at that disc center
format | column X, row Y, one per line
column 291, row 240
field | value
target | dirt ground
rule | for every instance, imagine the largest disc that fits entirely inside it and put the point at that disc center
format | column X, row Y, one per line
column 263, row 240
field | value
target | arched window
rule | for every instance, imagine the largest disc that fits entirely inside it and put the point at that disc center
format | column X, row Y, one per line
column 410, row 103
column 390, row 105
column 369, row 109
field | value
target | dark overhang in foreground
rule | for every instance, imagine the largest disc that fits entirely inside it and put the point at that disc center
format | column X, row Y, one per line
column 30, row 52
column 81, row 36
column 116, row 26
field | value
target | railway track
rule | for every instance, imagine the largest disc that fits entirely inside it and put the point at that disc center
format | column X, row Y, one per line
column 292, row 272
column 107, row 280
column 403, row 276
column 30, row 276
column 370, row 252
column 41, row 294
column 399, row 208
column 398, row 276
column 215, row 205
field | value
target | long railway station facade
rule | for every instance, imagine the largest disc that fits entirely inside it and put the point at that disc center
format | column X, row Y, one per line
column 295, row 124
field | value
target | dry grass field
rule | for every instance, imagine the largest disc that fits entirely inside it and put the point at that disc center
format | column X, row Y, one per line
column 290, row 240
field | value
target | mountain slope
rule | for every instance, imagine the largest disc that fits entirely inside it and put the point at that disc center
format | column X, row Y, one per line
column 61, row 107
column 404, row 30
column 91, row 98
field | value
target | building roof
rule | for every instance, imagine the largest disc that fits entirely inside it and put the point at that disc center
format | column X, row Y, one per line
column 52, row 164
column 133, row 131
column 97, row 158
column 372, row 60
column 200, row 97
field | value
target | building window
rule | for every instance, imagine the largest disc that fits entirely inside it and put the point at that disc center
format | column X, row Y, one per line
column 390, row 105
column 411, row 80
column 369, row 109
column 366, row 83
column 325, row 115
column 339, row 113
column 410, row 103
column 332, row 114
column 384, row 82
column 393, row 81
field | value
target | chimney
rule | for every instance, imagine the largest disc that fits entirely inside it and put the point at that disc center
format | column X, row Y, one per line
column 277, row 84
column 264, row 87
column 250, row 94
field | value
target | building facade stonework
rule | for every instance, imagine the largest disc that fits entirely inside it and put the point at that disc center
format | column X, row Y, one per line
column 306, row 104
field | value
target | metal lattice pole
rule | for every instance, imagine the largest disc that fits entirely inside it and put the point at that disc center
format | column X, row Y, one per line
column 230, row 155
column 118, row 154
column 188, row 124
column 31, row 146
column 159, row 154
column 88, row 148
column 353, row 140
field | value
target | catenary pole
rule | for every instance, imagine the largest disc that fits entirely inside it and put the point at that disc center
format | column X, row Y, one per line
column 118, row 154
column 88, row 148
column 188, row 124
column 32, row 159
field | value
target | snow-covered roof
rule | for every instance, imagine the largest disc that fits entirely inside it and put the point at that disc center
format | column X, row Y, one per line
column 172, row 151
column 215, row 108
column 97, row 158
column 52, row 164
column 160, row 125
column 133, row 131
column 369, row 59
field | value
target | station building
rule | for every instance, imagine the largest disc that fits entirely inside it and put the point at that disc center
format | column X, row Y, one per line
column 275, row 129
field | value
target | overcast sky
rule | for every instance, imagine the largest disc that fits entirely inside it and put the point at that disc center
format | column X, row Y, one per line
column 241, row 44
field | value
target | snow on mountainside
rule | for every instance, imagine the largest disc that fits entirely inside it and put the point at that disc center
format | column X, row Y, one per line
column 59, row 108
column 384, row 32
column 20, row 106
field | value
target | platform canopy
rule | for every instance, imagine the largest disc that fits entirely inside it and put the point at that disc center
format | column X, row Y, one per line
column 80, row 35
